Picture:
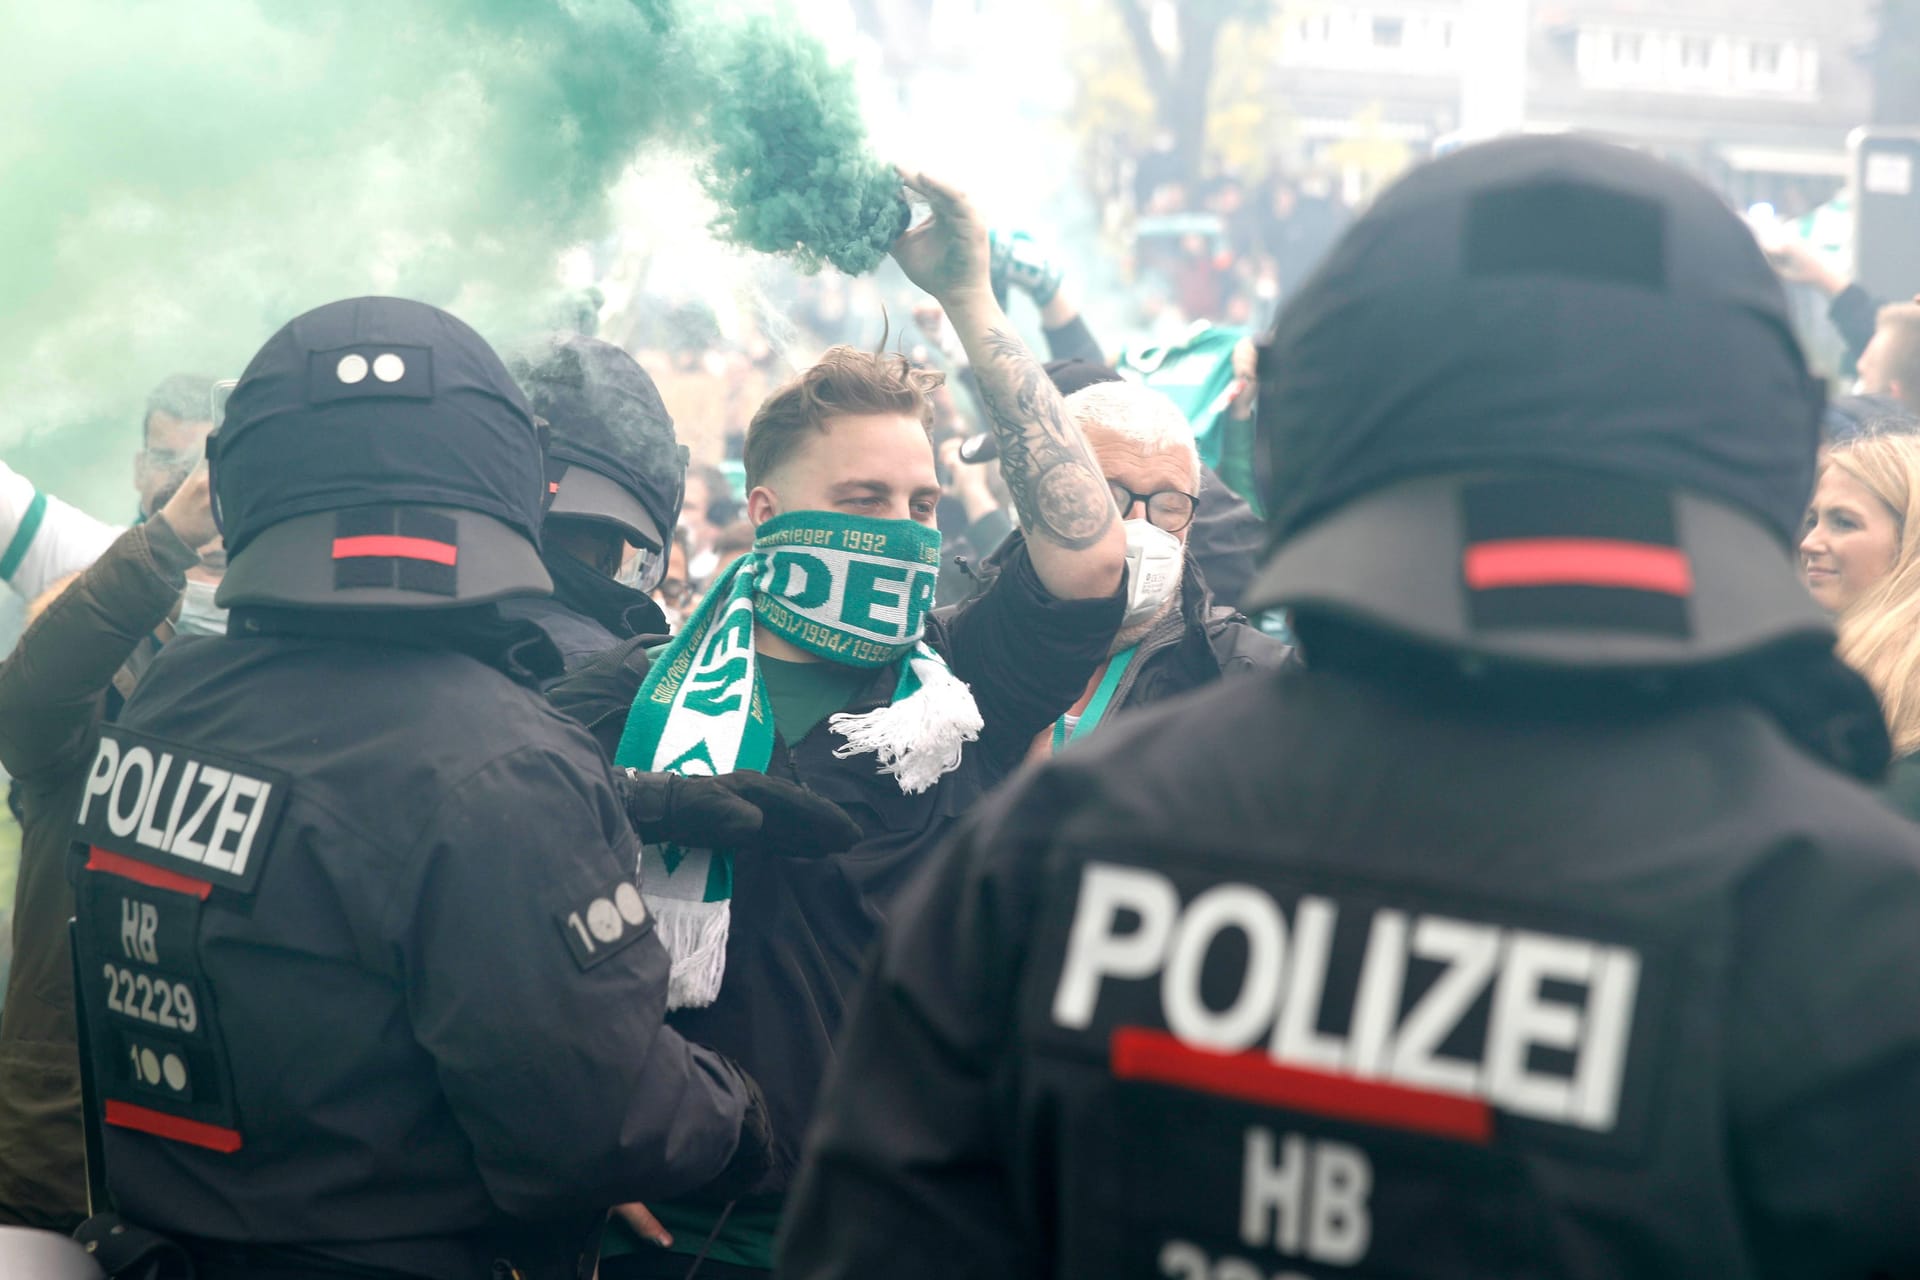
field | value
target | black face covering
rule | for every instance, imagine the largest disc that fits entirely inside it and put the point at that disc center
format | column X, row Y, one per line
column 621, row 610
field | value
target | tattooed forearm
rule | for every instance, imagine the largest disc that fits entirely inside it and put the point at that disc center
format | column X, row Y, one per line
column 1056, row 484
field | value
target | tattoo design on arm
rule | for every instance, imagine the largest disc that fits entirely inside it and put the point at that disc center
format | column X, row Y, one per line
column 1057, row 487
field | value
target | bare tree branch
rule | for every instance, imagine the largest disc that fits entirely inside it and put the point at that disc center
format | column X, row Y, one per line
column 1152, row 63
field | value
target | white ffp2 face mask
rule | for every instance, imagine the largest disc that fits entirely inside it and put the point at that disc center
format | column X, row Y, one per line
column 199, row 615
column 1154, row 559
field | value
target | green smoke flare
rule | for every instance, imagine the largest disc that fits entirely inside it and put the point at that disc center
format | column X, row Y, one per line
column 179, row 177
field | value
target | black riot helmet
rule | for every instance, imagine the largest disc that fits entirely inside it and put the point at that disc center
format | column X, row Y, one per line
column 1542, row 403
column 612, row 455
column 377, row 455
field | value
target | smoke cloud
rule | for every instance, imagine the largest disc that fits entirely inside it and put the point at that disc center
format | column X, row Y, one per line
column 179, row 177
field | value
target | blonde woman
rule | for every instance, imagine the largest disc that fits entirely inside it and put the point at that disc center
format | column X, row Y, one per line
column 1861, row 561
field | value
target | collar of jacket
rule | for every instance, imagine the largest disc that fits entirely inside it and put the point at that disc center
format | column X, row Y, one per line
column 514, row 647
column 1823, row 706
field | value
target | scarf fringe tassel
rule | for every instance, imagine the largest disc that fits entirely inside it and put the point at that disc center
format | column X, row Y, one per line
column 695, row 936
column 917, row 738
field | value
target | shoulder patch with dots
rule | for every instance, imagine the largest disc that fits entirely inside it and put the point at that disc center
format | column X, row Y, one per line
column 606, row 924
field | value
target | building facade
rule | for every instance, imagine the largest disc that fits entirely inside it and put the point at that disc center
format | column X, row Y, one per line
column 1757, row 95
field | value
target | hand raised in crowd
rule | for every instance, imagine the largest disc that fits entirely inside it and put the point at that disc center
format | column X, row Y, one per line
column 189, row 512
column 947, row 255
column 1797, row 263
column 1022, row 262
column 742, row 812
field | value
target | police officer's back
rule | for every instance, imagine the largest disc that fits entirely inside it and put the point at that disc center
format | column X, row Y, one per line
column 367, row 979
column 1532, row 930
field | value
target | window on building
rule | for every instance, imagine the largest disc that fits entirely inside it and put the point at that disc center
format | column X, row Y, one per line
column 1628, row 47
column 1696, row 53
column 1763, row 58
column 1316, row 30
column 1388, row 33
column 1444, row 33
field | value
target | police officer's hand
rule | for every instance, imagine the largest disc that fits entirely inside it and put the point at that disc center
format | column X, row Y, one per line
column 759, row 1165
column 743, row 812
column 644, row 1224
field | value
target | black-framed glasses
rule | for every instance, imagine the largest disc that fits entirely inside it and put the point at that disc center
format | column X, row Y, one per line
column 1168, row 509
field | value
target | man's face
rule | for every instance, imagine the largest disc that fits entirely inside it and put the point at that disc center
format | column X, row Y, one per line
column 1144, row 471
column 174, row 447
column 876, row 464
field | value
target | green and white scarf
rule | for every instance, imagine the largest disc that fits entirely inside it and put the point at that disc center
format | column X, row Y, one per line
column 850, row 589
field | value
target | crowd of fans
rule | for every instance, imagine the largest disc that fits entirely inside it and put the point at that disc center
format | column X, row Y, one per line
column 1063, row 553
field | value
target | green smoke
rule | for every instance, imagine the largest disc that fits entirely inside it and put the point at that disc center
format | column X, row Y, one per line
column 789, row 167
column 179, row 177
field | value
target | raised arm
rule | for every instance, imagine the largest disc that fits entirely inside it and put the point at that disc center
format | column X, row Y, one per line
column 1072, row 528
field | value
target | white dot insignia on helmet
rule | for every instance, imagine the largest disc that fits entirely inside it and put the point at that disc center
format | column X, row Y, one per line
column 175, row 1071
column 603, row 918
column 632, row 908
column 351, row 369
column 150, row 1066
column 389, row 367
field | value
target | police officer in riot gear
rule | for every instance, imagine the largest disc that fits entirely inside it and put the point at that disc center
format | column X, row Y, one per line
column 1536, row 928
column 368, row 986
column 615, row 476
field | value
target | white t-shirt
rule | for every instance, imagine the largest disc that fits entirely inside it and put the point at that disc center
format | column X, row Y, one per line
column 43, row 539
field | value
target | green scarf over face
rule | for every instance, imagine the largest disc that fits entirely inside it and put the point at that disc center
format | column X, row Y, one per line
column 849, row 589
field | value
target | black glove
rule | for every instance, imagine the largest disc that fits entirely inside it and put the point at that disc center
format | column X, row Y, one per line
column 761, row 1164
column 742, row 812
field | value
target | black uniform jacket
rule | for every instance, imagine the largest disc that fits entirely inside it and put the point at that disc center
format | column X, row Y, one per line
column 801, row 928
column 588, row 612
column 363, row 965
column 578, row 637
column 1301, row 976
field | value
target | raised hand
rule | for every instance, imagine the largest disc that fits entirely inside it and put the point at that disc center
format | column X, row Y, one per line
column 947, row 254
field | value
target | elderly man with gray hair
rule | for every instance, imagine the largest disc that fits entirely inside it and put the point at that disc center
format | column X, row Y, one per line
column 1173, row 637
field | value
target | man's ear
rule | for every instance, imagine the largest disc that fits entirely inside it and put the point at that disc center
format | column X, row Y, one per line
column 763, row 504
